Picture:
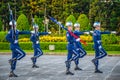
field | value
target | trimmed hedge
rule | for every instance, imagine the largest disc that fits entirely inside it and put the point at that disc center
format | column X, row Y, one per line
column 58, row 46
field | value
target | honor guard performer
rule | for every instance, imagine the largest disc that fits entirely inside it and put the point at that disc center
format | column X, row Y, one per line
column 36, row 46
column 78, row 45
column 99, row 50
column 17, row 52
column 71, row 49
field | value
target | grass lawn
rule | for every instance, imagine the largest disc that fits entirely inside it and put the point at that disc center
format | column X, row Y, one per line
column 59, row 52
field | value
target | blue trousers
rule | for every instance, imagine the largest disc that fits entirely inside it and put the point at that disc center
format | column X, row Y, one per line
column 82, row 53
column 70, row 56
column 37, row 53
column 17, row 53
column 99, row 54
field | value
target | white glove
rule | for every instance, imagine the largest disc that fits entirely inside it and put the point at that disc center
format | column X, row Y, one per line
column 49, row 32
column 37, row 42
column 16, row 41
column 91, row 31
column 100, row 47
column 86, row 32
column 78, row 39
column 113, row 32
column 32, row 32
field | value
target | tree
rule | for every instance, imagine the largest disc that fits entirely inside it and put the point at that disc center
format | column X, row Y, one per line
column 22, row 23
column 71, row 18
column 84, row 22
column 39, row 21
column 0, row 24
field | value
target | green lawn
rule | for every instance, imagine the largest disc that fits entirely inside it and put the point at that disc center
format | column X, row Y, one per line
column 59, row 52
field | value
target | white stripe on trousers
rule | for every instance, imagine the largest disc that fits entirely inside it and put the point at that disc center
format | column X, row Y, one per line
column 76, row 54
column 20, row 53
column 82, row 51
column 102, row 53
column 38, row 52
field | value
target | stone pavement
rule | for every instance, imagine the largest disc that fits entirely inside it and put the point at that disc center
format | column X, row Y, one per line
column 53, row 68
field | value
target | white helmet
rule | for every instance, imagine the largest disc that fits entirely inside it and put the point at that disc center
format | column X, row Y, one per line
column 11, row 23
column 96, row 24
column 77, row 25
column 35, row 26
column 69, row 23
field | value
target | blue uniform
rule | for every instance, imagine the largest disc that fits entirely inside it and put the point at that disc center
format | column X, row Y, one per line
column 71, row 49
column 99, row 51
column 78, row 46
column 17, row 52
column 36, row 46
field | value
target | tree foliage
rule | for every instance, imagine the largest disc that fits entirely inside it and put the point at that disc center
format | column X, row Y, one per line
column 22, row 23
column 39, row 21
column 71, row 18
column 84, row 22
column 105, row 11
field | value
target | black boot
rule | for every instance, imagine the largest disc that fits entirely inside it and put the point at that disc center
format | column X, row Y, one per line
column 67, row 63
column 11, row 61
column 32, row 58
column 68, row 66
column 98, row 71
column 68, row 72
column 77, row 68
column 93, row 61
column 12, row 74
column 35, row 66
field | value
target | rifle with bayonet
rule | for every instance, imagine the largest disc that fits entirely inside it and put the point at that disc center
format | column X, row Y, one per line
column 13, row 22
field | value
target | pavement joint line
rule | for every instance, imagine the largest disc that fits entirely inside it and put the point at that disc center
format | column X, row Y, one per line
column 100, row 67
column 111, row 70
column 105, row 63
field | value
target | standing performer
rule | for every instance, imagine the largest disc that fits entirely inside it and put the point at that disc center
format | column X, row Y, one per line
column 71, row 48
column 99, row 50
column 78, row 45
column 36, row 46
column 12, row 37
column 17, row 52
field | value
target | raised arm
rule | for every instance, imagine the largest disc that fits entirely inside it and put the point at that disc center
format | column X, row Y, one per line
column 44, row 33
column 24, row 32
column 106, row 32
column 79, row 33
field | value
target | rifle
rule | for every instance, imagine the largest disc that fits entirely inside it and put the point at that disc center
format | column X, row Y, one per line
column 13, row 25
column 33, row 23
column 62, row 26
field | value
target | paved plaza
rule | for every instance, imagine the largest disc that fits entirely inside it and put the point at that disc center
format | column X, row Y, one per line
column 52, row 67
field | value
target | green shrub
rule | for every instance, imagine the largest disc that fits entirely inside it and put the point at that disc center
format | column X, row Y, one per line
column 22, row 23
column 2, row 36
column 88, row 47
column 58, row 46
column 4, row 46
column 109, row 39
column 84, row 22
column 71, row 18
